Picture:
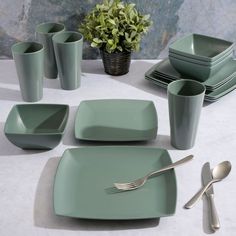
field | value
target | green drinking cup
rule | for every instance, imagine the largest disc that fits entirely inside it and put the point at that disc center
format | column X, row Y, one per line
column 68, row 46
column 28, row 57
column 44, row 34
column 185, row 99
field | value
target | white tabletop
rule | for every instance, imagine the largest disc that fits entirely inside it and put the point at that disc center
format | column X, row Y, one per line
column 26, row 177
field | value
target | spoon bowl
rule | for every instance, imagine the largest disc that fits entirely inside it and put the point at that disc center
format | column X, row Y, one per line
column 221, row 171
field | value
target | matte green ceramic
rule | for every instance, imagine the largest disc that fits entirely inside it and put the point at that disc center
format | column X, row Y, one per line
column 185, row 99
column 37, row 126
column 83, row 185
column 201, row 47
column 210, row 96
column 116, row 120
column 44, row 34
column 222, row 90
column 28, row 57
column 164, row 69
column 197, row 71
column 68, row 46
column 204, row 63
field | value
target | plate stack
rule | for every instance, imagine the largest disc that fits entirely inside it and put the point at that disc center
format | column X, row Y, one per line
column 198, row 57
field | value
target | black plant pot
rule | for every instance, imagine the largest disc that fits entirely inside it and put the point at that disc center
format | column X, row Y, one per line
column 116, row 63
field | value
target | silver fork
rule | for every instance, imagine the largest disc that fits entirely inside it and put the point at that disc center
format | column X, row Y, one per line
column 140, row 182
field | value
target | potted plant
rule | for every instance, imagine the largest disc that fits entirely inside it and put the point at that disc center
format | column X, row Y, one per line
column 116, row 29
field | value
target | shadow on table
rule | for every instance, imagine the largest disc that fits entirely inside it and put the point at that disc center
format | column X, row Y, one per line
column 51, row 83
column 9, row 149
column 92, row 67
column 44, row 214
column 134, row 79
column 69, row 136
column 10, row 95
column 138, row 80
column 162, row 141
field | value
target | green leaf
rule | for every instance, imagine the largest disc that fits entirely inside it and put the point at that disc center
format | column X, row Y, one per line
column 120, row 5
column 130, row 6
column 120, row 48
column 128, row 39
column 114, row 31
column 94, row 45
column 133, row 27
column 97, row 40
column 102, row 21
column 112, row 21
column 110, row 41
column 133, row 33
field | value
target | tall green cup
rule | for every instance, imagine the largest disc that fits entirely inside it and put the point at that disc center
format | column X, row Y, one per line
column 28, row 57
column 44, row 34
column 185, row 98
column 68, row 46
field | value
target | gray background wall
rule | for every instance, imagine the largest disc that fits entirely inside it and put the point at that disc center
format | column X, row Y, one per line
column 171, row 19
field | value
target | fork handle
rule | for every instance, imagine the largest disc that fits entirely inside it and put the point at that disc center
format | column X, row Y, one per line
column 171, row 166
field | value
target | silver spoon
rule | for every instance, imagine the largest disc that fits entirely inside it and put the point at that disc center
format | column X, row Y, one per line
column 218, row 173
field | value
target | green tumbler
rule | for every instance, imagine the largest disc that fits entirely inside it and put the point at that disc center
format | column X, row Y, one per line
column 28, row 57
column 68, row 46
column 44, row 34
column 185, row 98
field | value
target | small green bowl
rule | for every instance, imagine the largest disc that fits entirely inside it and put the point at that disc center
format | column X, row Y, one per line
column 201, row 47
column 196, row 71
column 225, row 58
column 36, row 126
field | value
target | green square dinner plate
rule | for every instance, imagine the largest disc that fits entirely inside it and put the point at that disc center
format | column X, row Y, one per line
column 164, row 68
column 83, row 185
column 211, row 96
column 116, row 120
column 36, row 126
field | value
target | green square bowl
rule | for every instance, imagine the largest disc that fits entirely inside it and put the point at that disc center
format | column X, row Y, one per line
column 83, row 185
column 36, row 126
column 201, row 47
column 197, row 71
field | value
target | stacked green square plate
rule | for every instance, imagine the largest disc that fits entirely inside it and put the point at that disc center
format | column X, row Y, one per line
column 223, row 82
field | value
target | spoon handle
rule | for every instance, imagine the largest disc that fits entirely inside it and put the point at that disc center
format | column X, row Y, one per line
column 197, row 196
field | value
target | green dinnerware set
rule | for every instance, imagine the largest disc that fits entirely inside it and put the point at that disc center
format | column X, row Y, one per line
column 85, row 177
column 41, row 126
column 202, row 58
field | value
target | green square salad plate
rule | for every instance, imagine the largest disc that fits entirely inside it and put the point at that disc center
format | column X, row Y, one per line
column 116, row 120
column 83, row 185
